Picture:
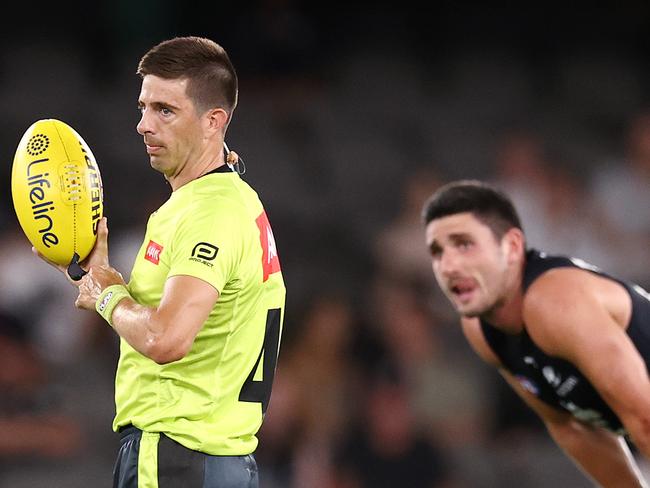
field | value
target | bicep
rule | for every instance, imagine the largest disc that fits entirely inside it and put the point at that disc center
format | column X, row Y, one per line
column 611, row 362
column 185, row 306
column 568, row 320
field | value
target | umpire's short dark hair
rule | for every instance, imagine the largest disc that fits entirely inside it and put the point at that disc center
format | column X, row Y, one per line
column 212, row 77
column 486, row 202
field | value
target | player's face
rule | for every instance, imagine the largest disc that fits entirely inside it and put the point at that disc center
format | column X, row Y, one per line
column 169, row 123
column 470, row 265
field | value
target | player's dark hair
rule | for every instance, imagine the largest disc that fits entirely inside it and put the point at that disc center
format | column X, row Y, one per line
column 212, row 77
column 487, row 203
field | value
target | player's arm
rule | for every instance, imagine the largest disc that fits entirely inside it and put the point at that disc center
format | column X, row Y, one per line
column 164, row 333
column 566, row 313
column 599, row 453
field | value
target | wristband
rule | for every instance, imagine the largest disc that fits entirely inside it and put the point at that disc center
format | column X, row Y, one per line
column 109, row 299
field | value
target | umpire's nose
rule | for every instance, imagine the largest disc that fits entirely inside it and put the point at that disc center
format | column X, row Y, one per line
column 145, row 124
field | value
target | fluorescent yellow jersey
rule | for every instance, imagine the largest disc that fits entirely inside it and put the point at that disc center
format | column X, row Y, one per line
column 214, row 399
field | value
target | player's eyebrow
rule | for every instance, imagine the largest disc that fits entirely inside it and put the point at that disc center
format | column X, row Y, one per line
column 159, row 105
column 456, row 237
column 459, row 236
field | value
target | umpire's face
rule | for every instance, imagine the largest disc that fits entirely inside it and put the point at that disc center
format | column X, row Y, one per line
column 172, row 130
column 473, row 268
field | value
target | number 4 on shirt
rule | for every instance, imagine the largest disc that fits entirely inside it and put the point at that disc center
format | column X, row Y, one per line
column 259, row 391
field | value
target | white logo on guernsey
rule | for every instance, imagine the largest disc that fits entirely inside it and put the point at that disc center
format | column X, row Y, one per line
column 105, row 301
column 273, row 251
column 641, row 292
column 568, row 385
column 531, row 361
column 153, row 253
column 584, row 265
column 585, row 414
column 551, row 376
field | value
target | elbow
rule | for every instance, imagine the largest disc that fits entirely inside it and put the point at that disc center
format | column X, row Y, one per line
column 164, row 350
column 165, row 356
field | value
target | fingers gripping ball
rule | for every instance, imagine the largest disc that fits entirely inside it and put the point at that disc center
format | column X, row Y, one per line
column 57, row 191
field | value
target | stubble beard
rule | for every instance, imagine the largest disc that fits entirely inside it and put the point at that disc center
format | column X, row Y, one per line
column 485, row 312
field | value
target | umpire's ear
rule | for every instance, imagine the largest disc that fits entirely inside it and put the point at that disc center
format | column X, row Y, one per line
column 216, row 121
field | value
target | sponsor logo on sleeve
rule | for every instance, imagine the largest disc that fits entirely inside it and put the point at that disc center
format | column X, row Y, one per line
column 204, row 252
column 153, row 252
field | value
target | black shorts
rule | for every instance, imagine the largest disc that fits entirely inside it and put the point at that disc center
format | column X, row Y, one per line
column 153, row 460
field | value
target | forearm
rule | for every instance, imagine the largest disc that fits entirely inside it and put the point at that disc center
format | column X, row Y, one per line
column 601, row 454
column 104, row 290
column 164, row 333
column 148, row 329
column 137, row 325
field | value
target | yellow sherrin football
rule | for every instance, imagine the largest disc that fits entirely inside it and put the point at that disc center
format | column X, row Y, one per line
column 57, row 191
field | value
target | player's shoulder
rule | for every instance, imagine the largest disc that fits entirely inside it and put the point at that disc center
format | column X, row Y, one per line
column 556, row 293
column 564, row 302
column 557, row 286
column 216, row 206
column 231, row 194
column 557, row 272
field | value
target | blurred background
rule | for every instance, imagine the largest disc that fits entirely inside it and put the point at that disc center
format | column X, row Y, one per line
column 350, row 116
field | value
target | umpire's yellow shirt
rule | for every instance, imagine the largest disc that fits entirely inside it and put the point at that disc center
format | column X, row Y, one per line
column 213, row 400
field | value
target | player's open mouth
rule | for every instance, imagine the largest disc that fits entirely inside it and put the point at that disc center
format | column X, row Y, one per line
column 463, row 289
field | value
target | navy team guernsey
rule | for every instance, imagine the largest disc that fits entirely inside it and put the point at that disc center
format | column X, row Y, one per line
column 556, row 381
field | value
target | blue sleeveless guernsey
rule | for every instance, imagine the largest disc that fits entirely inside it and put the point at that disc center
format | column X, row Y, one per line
column 555, row 381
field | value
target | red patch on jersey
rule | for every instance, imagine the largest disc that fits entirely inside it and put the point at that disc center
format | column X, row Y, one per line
column 153, row 252
column 270, row 260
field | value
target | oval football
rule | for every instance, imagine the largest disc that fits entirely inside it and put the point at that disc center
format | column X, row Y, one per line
column 57, row 191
